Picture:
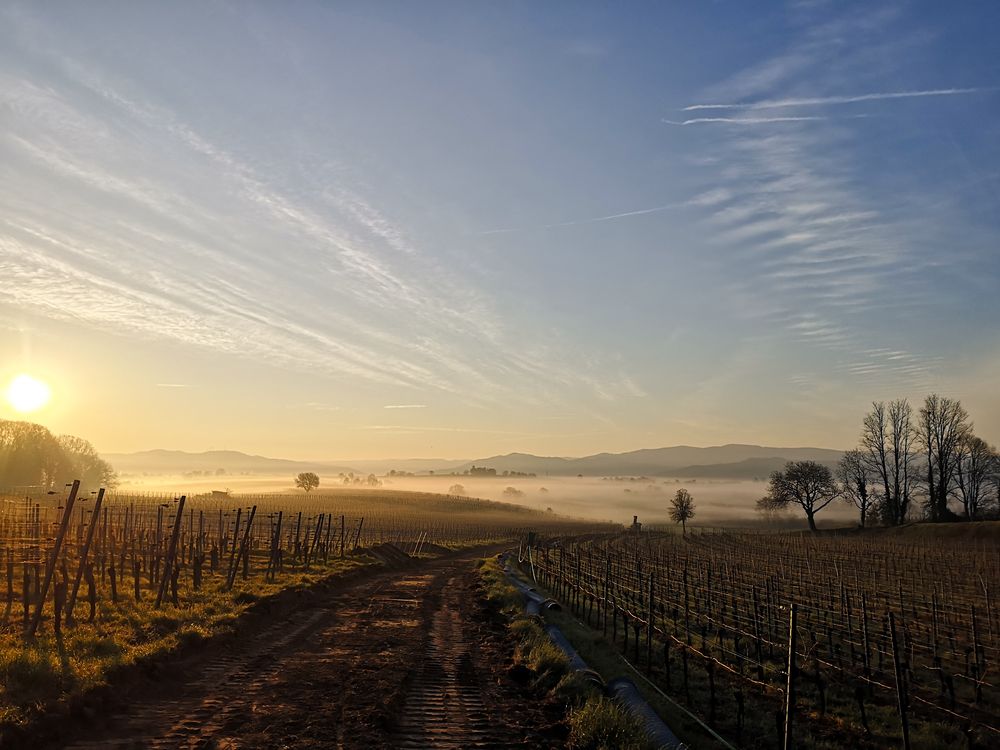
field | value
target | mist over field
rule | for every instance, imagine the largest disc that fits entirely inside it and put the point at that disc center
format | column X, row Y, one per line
column 718, row 502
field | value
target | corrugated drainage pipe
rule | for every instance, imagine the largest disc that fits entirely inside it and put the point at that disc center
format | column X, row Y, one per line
column 621, row 689
column 625, row 692
column 576, row 662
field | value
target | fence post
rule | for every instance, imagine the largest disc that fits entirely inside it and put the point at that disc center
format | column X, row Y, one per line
column 790, row 681
column 649, row 626
column 83, row 557
column 900, row 685
column 50, row 567
column 171, row 553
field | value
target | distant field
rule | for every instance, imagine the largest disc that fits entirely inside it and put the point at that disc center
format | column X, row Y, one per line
column 718, row 502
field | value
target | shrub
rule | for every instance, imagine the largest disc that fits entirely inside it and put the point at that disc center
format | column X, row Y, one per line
column 601, row 724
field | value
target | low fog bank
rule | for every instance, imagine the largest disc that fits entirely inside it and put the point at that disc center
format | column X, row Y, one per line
column 717, row 502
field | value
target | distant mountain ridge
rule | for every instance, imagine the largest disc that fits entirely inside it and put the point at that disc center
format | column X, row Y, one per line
column 159, row 461
column 733, row 461
column 739, row 460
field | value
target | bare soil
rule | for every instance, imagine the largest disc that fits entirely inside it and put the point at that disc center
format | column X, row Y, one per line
column 406, row 658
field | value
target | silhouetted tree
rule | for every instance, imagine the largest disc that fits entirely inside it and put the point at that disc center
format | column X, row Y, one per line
column 944, row 426
column 887, row 447
column 855, row 483
column 682, row 508
column 456, row 489
column 86, row 465
column 31, row 456
column 808, row 484
column 976, row 463
column 307, row 481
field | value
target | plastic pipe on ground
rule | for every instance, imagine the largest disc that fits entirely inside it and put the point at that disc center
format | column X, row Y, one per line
column 625, row 692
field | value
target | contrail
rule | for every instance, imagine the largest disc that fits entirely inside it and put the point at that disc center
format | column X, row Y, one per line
column 593, row 220
column 821, row 100
column 741, row 120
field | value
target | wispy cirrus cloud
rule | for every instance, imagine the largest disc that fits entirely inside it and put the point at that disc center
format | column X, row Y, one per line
column 813, row 101
column 818, row 251
column 163, row 232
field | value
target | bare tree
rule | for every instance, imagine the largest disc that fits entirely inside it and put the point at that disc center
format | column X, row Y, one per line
column 307, row 481
column 944, row 426
column 976, row 463
column 682, row 508
column 856, row 477
column 887, row 447
column 92, row 470
column 808, row 484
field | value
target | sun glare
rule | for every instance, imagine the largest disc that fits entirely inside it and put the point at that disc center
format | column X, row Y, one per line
column 27, row 394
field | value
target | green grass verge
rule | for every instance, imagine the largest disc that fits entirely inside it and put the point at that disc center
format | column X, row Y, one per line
column 603, row 657
column 595, row 722
column 37, row 673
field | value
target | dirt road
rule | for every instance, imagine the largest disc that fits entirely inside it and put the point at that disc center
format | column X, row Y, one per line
column 399, row 659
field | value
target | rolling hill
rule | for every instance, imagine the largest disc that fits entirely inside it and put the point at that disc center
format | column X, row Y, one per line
column 735, row 461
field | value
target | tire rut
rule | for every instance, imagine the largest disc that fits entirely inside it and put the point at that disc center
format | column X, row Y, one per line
column 447, row 706
column 389, row 661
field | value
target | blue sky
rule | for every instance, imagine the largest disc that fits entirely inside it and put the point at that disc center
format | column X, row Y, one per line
column 559, row 228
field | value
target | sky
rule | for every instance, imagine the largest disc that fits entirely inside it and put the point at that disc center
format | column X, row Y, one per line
column 360, row 230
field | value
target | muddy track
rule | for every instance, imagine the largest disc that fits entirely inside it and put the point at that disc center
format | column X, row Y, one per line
column 397, row 659
column 448, row 705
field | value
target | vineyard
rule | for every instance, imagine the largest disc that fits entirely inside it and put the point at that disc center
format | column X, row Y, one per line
column 866, row 640
column 96, row 581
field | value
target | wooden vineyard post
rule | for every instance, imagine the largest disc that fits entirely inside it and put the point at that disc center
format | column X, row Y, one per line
column 311, row 547
column 26, row 594
column 867, row 645
column 604, row 603
column 649, row 626
column 977, row 652
column 357, row 537
column 326, row 542
column 756, row 630
column 790, row 676
column 272, row 563
column 50, row 567
column 900, row 685
column 83, row 558
column 687, row 636
column 989, row 605
column 342, row 528
column 222, row 539
column 244, row 549
column 236, row 536
column 298, row 546
column 168, row 569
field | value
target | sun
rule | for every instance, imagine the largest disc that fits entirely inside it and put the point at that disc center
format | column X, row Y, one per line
column 27, row 394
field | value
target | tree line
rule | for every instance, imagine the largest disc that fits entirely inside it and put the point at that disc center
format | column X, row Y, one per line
column 32, row 456
column 928, row 461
